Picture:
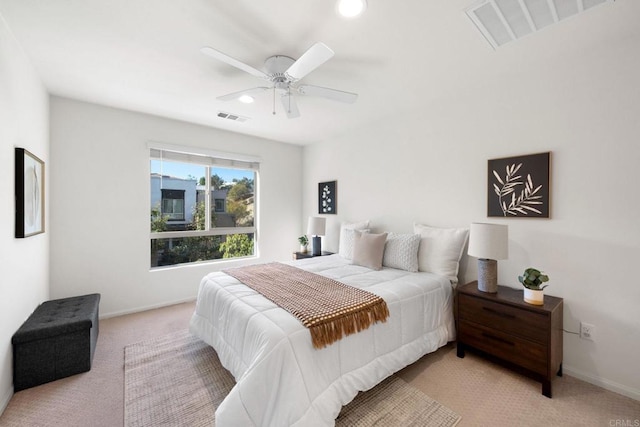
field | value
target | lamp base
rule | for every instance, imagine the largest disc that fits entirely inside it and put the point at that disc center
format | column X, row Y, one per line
column 316, row 246
column 488, row 275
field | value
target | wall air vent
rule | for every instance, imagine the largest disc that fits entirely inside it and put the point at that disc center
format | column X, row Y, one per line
column 502, row 21
column 233, row 117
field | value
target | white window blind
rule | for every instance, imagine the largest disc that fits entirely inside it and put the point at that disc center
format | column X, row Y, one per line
column 203, row 157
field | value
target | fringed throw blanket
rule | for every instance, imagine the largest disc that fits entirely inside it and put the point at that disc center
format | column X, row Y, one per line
column 329, row 309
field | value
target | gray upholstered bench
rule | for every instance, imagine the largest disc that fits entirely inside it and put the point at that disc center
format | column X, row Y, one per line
column 56, row 341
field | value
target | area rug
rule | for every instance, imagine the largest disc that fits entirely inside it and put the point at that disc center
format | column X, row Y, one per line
column 177, row 380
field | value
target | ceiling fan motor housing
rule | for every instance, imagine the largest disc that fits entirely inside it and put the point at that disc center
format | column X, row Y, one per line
column 276, row 65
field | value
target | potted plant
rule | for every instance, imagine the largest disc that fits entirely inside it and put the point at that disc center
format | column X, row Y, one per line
column 532, row 280
column 304, row 242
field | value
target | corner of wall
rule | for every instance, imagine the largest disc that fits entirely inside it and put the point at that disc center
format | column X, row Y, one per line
column 4, row 401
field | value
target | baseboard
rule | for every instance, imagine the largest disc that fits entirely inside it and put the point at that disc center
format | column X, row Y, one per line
column 601, row 382
column 4, row 402
column 144, row 308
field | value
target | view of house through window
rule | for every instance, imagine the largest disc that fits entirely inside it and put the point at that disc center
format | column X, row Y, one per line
column 173, row 204
column 202, row 208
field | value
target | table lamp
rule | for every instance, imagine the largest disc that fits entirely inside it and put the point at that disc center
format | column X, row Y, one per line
column 488, row 243
column 316, row 228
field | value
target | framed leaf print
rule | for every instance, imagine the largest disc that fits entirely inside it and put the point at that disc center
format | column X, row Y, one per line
column 519, row 186
column 29, row 179
column 328, row 197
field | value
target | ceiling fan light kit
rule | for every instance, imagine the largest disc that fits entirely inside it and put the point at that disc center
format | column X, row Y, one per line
column 284, row 73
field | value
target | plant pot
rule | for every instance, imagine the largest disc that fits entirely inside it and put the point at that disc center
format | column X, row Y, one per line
column 303, row 249
column 533, row 296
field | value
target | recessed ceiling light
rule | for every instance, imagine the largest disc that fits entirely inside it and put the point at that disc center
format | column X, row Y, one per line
column 246, row 99
column 351, row 8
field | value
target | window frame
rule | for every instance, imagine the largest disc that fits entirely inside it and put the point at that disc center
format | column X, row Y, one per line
column 208, row 159
column 215, row 206
column 171, row 215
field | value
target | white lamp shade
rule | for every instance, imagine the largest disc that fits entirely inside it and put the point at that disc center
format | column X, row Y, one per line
column 489, row 241
column 316, row 226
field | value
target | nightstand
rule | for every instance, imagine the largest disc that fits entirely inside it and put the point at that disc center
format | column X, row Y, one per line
column 303, row 255
column 527, row 337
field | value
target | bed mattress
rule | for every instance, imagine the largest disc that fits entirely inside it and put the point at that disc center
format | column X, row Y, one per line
column 281, row 380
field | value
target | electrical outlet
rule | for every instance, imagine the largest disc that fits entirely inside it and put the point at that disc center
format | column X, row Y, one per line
column 587, row 331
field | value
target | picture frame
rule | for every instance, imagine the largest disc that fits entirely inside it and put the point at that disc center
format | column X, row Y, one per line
column 29, row 194
column 328, row 197
column 519, row 186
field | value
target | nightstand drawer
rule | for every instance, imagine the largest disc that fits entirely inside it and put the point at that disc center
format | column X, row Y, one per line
column 501, row 317
column 523, row 353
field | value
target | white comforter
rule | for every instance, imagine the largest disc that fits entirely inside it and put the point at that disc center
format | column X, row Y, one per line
column 281, row 380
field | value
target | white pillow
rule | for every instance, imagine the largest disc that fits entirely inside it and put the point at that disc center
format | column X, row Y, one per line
column 345, row 246
column 401, row 251
column 441, row 249
column 368, row 249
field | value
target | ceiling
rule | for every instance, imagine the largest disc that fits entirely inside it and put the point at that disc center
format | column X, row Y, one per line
column 144, row 55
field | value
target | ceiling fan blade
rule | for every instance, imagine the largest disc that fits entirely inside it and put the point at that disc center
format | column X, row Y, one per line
column 290, row 106
column 236, row 95
column 325, row 92
column 233, row 62
column 317, row 55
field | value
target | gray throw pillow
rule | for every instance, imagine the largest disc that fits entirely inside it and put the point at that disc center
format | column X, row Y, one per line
column 368, row 249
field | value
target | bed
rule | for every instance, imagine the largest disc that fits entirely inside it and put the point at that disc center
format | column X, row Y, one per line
column 281, row 380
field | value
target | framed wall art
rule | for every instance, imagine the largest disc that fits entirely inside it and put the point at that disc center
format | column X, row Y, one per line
column 29, row 178
column 519, row 186
column 328, row 197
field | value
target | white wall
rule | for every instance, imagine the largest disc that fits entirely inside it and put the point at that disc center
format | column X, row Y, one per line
column 431, row 167
column 100, row 203
column 25, row 262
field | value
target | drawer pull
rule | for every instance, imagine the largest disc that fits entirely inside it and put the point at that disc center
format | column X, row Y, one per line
column 492, row 337
column 499, row 313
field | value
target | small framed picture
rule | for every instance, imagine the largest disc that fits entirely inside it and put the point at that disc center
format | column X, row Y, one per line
column 328, row 197
column 519, row 186
column 29, row 178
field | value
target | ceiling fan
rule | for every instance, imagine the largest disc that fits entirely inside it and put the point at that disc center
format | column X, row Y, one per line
column 284, row 74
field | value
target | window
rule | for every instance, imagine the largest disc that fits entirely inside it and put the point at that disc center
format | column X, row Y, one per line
column 173, row 204
column 203, row 207
column 219, row 205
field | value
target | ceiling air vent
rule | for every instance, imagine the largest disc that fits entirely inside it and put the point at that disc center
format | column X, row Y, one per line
column 502, row 21
column 233, row 117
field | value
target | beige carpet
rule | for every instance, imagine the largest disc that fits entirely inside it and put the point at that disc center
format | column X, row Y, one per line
column 178, row 380
column 483, row 393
